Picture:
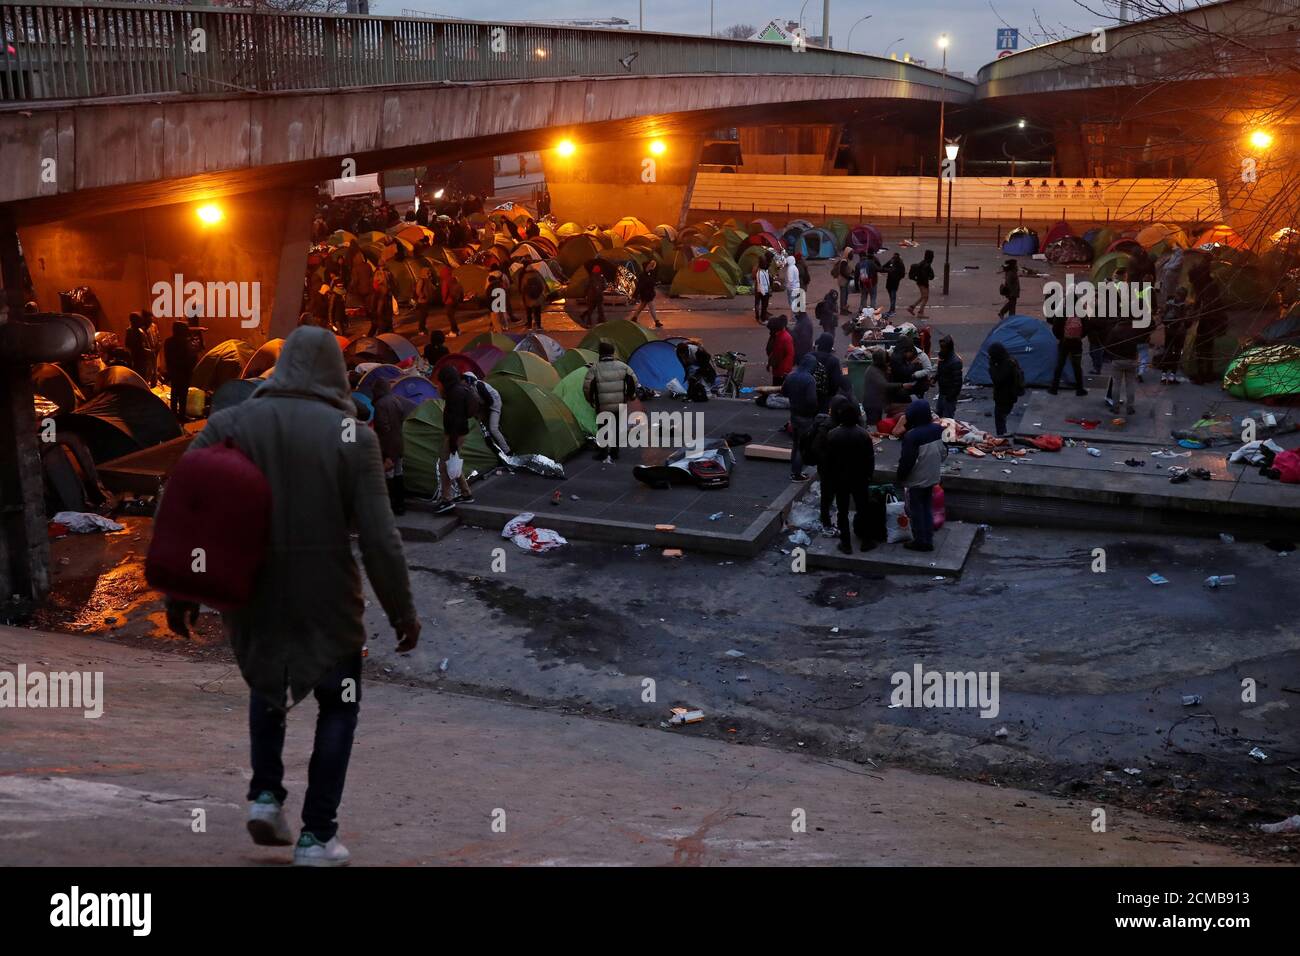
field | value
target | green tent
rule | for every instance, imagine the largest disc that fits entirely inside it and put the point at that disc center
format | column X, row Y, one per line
column 626, row 336
column 840, row 230
column 570, row 392
column 700, row 276
column 1104, row 268
column 529, row 367
column 221, row 363
column 1264, row 371
column 503, row 342
column 536, row 421
column 422, row 434
column 1225, row 348
column 574, row 358
column 1101, row 241
column 577, row 251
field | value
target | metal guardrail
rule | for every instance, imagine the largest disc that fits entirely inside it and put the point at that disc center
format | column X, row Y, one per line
column 71, row 50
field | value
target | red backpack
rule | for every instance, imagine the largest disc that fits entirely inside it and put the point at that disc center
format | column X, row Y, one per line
column 212, row 528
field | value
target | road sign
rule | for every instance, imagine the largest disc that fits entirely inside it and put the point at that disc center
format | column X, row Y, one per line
column 1008, row 38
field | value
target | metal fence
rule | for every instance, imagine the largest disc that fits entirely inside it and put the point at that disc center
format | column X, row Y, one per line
column 70, row 50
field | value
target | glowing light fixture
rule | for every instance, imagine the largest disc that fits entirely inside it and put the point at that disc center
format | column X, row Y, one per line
column 1261, row 139
column 210, row 214
column 943, row 41
column 951, row 149
column 658, row 147
column 566, row 147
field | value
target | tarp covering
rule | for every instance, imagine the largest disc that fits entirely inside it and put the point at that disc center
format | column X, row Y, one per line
column 528, row 367
column 655, row 363
column 536, row 421
column 1031, row 343
column 50, row 381
column 626, row 336
column 570, row 392
column 572, row 359
column 263, row 359
column 541, row 345
column 422, row 435
column 1264, row 371
column 221, row 363
column 120, row 420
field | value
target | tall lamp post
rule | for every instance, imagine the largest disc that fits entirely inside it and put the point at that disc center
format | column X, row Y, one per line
column 951, row 149
column 943, row 102
column 849, row 45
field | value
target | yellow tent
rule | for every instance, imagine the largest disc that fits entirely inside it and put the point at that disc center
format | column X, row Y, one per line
column 628, row 227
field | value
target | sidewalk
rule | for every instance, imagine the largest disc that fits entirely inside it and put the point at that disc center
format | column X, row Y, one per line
column 430, row 769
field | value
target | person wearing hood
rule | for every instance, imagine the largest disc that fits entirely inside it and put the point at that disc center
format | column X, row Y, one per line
column 837, row 383
column 842, row 270
column 802, row 335
column 303, row 631
column 922, row 273
column 895, row 270
column 178, row 353
column 868, row 276
column 847, row 467
column 825, row 312
column 780, row 349
column 790, row 278
column 490, row 405
column 919, row 463
column 875, row 388
column 459, row 403
column 391, row 410
column 800, row 387
column 761, row 279
column 1004, row 371
column 948, row 378
column 436, row 347
column 1010, row 289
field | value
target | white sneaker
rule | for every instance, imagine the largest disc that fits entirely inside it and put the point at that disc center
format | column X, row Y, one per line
column 311, row 852
column 266, row 823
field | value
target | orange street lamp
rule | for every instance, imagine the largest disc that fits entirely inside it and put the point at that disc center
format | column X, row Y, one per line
column 210, row 214
column 566, row 147
column 1261, row 139
column 658, row 147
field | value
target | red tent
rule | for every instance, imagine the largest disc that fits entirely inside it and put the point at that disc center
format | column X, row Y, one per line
column 1060, row 230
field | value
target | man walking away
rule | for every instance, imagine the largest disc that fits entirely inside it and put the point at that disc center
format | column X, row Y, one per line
column 803, row 335
column 1211, row 323
column 948, row 378
column 645, row 294
column 762, row 282
column 452, row 295
column 459, row 405
column 922, row 273
column 800, row 387
column 532, row 289
column 423, row 298
column 875, row 388
column 894, row 272
column 303, row 630
column 391, row 410
column 137, row 343
column 489, row 409
column 1122, row 347
column 1010, row 288
column 919, row 463
column 179, row 353
column 843, row 273
column 595, row 299
column 868, row 277
column 609, row 384
column 848, row 464
column 1008, row 385
column 1069, row 346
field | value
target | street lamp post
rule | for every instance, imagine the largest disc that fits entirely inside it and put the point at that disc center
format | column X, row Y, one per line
column 891, row 46
column 849, row 45
column 801, row 10
column 943, row 102
column 951, row 149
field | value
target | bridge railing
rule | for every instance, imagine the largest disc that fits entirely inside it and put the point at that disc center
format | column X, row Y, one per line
column 70, row 50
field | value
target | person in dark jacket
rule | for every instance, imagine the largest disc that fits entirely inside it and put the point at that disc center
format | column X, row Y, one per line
column 875, row 389
column 922, row 273
column 826, row 313
column 848, row 465
column 1006, row 385
column 645, row 295
column 895, row 270
column 1122, row 348
column 801, row 389
column 780, row 349
column 903, row 366
column 837, row 383
column 1173, row 319
column 948, row 377
column 179, row 354
column 802, row 335
column 919, row 462
column 143, row 359
column 1069, row 348
column 594, row 298
column 436, row 347
column 532, row 289
column 458, row 403
column 1010, row 289
column 1211, row 323
column 391, row 410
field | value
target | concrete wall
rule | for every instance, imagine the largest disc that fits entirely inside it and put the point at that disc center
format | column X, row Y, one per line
column 602, row 182
column 121, row 255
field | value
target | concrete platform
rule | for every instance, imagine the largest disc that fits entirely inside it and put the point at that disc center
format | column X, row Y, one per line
column 612, row 506
column 952, row 545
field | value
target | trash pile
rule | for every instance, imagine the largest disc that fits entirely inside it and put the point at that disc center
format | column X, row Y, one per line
column 520, row 530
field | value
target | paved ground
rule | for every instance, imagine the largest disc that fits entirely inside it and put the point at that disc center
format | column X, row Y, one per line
column 431, row 772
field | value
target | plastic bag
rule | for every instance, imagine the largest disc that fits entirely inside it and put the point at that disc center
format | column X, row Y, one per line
column 898, row 526
column 455, row 466
column 937, row 508
column 520, row 530
column 85, row 522
column 537, row 464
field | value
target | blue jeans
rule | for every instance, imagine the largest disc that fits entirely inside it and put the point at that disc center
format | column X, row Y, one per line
column 336, row 722
column 919, row 507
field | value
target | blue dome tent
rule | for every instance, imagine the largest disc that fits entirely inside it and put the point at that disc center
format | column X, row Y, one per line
column 1021, row 241
column 1031, row 343
column 655, row 363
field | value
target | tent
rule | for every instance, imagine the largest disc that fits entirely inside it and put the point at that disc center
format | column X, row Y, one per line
column 626, row 336
column 1021, row 241
column 119, row 375
column 422, row 436
column 460, row 362
column 388, row 348
column 763, row 240
column 1100, row 239
column 1107, row 265
column 573, row 359
column 628, row 227
column 120, row 420
column 263, row 359
column 1284, row 330
column 817, row 243
column 760, row 225
column 1160, row 237
column 1222, row 235
column 233, row 392
column 1068, row 250
column 387, row 373
column 535, row 420
column 570, row 392
column 473, row 279
column 576, row 250
column 840, row 230
column 1127, row 245
column 541, row 345
column 221, row 363
column 1264, row 371
column 484, row 356
column 1059, row 231
column 1031, row 343
column 701, row 276
column 494, row 339
column 529, row 368
column 865, row 238
column 655, row 363
column 50, row 381
column 415, row 388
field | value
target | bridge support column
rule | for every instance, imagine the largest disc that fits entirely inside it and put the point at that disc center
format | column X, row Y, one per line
column 258, row 241
column 603, row 182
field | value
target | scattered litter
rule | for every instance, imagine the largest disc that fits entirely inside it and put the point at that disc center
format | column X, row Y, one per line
column 665, row 527
column 1257, row 754
column 556, row 496
column 743, row 678
column 1226, row 538
column 715, row 516
column 1220, row 580
column 1132, row 771
column 1191, row 700
column 800, row 537
column 1157, row 578
column 520, row 530
column 735, row 653
column 443, row 664
column 1001, row 732
column 940, row 577
column 1164, row 453
column 1094, row 452
column 1006, row 471
column 453, row 602
column 639, row 547
column 680, row 715
column 1289, row 825
column 672, row 552
column 84, row 522
column 1135, row 462
column 835, row 630
column 573, row 498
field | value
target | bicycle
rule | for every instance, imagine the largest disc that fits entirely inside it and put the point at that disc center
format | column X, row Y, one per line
column 731, row 369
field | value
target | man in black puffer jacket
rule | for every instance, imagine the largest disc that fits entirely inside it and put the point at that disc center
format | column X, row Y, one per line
column 848, row 465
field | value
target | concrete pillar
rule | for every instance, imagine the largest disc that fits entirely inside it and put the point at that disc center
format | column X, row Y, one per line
column 293, row 262
column 602, row 182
